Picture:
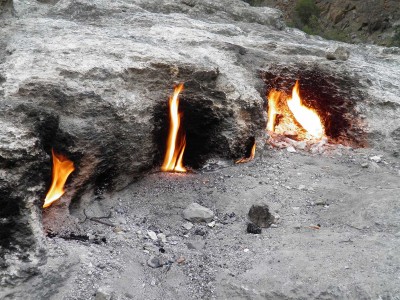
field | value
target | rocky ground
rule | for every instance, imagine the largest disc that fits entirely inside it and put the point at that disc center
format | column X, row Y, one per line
column 336, row 234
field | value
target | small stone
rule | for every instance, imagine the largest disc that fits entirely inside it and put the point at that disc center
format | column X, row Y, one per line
column 376, row 158
column 180, row 260
column 274, row 226
column 302, row 187
column 297, row 226
column 291, row 149
column 301, row 145
column 103, row 293
column 253, row 228
column 246, row 250
column 364, row 165
column 196, row 213
column 187, row 225
column 162, row 237
column 154, row 262
column 152, row 235
column 211, row 224
column 117, row 229
column 196, row 244
column 259, row 214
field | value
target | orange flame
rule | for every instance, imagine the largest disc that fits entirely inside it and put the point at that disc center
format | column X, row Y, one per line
column 290, row 110
column 247, row 159
column 62, row 168
column 175, row 146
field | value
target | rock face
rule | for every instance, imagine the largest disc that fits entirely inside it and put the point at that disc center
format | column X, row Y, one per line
column 368, row 21
column 91, row 79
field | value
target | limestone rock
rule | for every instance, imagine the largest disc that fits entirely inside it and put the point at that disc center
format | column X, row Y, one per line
column 196, row 213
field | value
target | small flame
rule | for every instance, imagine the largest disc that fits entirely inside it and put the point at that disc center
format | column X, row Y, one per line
column 62, row 168
column 247, row 159
column 290, row 110
column 175, row 145
column 307, row 117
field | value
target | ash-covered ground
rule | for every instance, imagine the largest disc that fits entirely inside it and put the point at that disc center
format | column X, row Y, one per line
column 352, row 195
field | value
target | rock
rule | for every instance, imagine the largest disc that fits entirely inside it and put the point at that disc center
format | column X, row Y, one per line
column 103, row 293
column 291, row 149
column 196, row 213
column 376, row 158
column 162, row 237
column 152, row 235
column 155, row 262
column 364, row 165
column 260, row 215
column 196, row 244
column 301, row 187
column 180, row 260
column 253, row 228
column 211, row 224
column 340, row 53
column 187, row 225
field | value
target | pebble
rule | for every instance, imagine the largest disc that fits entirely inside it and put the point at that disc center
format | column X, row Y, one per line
column 302, row 187
column 154, row 262
column 103, row 293
column 364, row 165
column 246, row 250
column 291, row 149
column 196, row 245
column 253, row 228
column 162, row 237
column 340, row 53
column 274, row 226
column 180, row 260
column 196, row 213
column 152, row 235
column 211, row 224
column 376, row 158
column 187, row 225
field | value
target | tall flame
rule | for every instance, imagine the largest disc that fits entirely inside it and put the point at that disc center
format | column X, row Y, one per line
column 290, row 109
column 175, row 145
column 307, row 117
column 62, row 168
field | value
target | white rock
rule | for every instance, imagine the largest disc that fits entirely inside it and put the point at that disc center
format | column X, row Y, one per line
column 376, row 158
column 162, row 237
column 302, row 187
column 291, row 149
column 211, row 224
column 196, row 213
column 187, row 225
column 103, row 293
column 152, row 235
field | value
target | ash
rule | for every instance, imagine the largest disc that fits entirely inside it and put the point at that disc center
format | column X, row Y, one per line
column 332, row 237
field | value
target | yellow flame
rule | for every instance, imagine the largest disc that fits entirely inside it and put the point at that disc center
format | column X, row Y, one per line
column 175, row 149
column 62, row 168
column 247, row 159
column 273, row 99
column 307, row 117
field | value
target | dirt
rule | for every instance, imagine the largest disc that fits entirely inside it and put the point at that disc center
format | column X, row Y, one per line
column 336, row 236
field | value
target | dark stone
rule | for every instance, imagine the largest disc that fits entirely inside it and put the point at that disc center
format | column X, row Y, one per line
column 260, row 215
column 253, row 228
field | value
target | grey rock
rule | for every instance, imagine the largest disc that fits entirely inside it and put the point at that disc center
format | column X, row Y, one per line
column 196, row 213
column 187, row 225
column 155, row 262
column 196, row 244
column 340, row 53
column 259, row 214
column 103, row 293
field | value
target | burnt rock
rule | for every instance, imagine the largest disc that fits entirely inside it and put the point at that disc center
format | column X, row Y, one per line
column 253, row 228
column 259, row 214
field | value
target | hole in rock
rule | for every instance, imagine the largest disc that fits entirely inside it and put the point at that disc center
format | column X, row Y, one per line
column 333, row 98
column 201, row 122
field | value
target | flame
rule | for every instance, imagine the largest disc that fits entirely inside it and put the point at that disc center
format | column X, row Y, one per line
column 290, row 110
column 247, row 159
column 307, row 117
column 62, row 168
column 175, row 146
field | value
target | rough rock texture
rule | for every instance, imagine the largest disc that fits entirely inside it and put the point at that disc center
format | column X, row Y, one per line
column 371, row 21
column 259, row 214
column 196, row 213
column 91, row 79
